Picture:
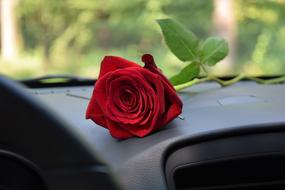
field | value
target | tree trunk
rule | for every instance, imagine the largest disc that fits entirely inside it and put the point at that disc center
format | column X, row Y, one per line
column 9, row 42
column 225, row 26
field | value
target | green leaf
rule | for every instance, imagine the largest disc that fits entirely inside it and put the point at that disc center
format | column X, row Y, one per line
column 182, row 42
column 213, row 50
column 188, row 73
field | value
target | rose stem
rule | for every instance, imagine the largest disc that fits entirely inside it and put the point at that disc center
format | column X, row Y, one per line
column 190, row 83
column 228, row 82
column 220, row 81
column 268, row 81
column 181, row 117
column 209, row 77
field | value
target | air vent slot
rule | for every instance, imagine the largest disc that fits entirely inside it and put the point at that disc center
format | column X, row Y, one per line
column 260, row 172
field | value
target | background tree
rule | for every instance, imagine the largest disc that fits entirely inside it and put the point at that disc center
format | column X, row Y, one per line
column 225, row 26
column 69, row 36
column 9, row 30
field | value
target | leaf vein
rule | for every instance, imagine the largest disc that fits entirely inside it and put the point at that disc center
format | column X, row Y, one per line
column 179, row 36
column 213, row 52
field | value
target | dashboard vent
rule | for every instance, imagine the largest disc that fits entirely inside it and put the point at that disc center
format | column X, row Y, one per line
column 262, row 172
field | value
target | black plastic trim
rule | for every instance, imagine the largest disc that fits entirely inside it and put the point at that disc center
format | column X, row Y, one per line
column 24, row 162
column 221, row 134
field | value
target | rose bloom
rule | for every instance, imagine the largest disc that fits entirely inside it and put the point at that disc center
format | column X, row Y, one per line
column 131, row 100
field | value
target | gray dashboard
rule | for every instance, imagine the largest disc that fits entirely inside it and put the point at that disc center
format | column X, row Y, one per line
column 208, row 110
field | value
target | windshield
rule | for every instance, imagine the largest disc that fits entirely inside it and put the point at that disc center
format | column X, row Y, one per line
column 40, row 37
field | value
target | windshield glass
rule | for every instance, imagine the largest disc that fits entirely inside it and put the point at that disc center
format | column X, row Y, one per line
column 40, row 37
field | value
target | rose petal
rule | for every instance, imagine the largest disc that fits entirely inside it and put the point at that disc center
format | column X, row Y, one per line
column 135, row 80
column 151, row 66
column 174, row 104
column 131, row 100
column 117, row 132
column 112, row 63
column 143, row 130
column 100, row 93
column 95, row 113
column 155, row 80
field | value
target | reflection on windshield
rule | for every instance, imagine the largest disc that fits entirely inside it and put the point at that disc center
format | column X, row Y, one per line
column 41, row 37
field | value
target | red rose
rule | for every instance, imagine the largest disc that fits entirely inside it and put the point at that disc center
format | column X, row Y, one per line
column 130, row 100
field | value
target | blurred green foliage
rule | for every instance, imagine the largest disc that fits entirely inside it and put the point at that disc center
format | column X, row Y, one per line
column 70, row 36
column 261, row 35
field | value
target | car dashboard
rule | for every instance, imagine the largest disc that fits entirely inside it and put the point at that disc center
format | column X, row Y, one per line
column 226, row 138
